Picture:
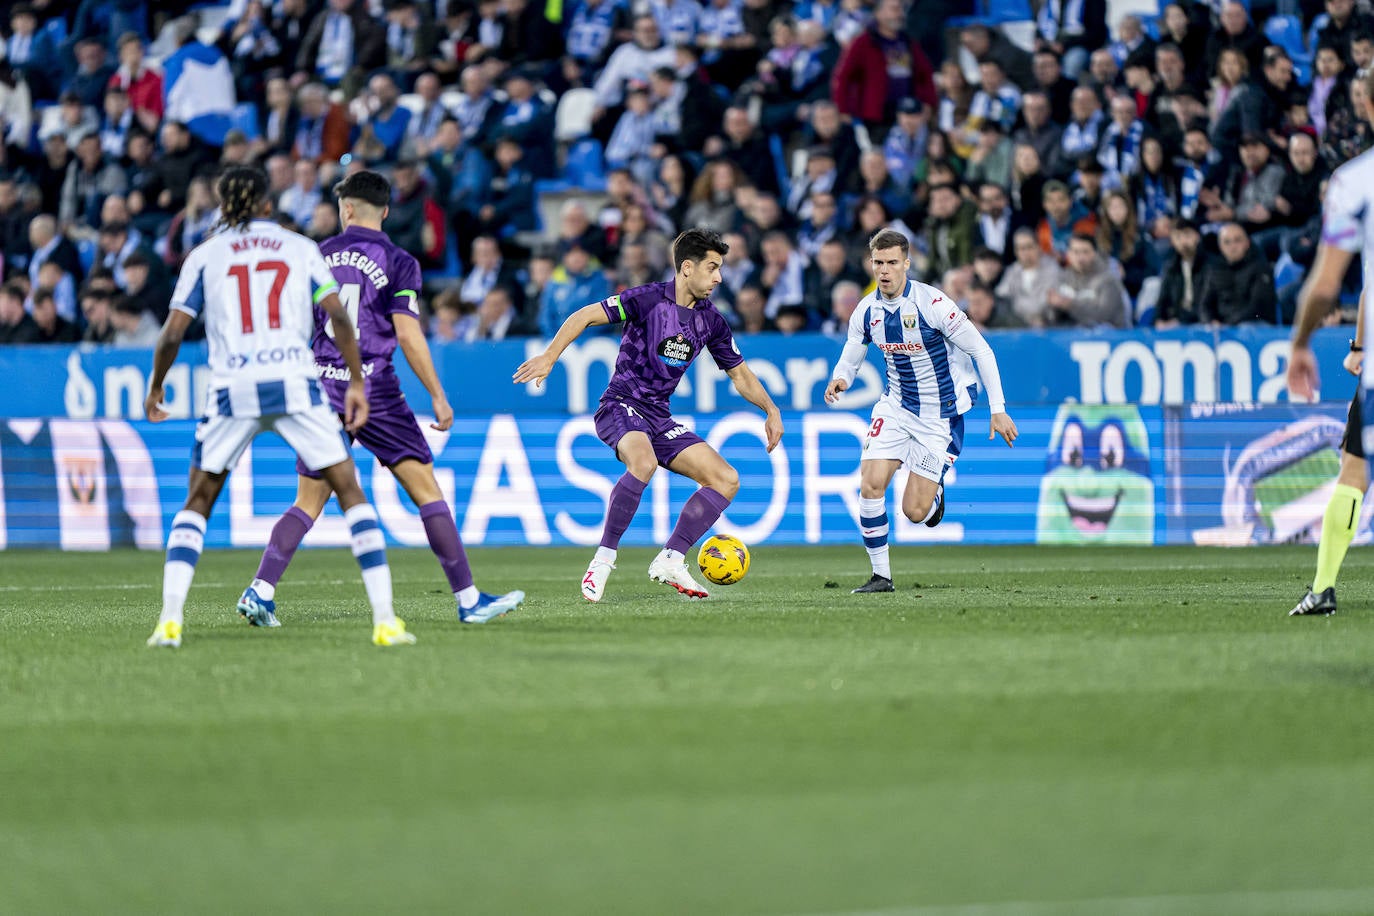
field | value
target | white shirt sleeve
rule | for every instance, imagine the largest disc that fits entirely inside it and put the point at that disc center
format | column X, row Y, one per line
column 1343, row 214
column 855, row 347
column 962, row 333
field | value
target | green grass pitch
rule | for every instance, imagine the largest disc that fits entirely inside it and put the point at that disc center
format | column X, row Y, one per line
column 1016, row 730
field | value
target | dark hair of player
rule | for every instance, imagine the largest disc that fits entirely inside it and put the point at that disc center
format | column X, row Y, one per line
column 694, row 244
column 242, row 191
column 368, row 186
column 889, row 238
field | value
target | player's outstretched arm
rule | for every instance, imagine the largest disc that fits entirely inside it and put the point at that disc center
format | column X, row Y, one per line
column 537, row 368
column 412, row 340
column 962, row 333
column 164, row 354
column 752, row 390
column 346, row 339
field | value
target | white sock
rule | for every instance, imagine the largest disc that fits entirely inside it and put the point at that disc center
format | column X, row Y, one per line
column 184, row 544
column 369, row 548
column 670, row 556
column 873, row 525
column 266, row 590
column 934, row 505
column 467, row 598
column 605, row 555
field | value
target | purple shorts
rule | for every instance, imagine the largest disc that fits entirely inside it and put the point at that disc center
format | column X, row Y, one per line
column 391, row 433
column 617, row 416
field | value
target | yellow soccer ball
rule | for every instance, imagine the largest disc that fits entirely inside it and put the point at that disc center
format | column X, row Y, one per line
column 723, row 559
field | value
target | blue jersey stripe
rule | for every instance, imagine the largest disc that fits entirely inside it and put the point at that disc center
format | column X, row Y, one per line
column 222, row 402
column 271, row 398
column 195, row 300
column 316, row 397
column 934, row 342
column 906, row 372
column 868, row 329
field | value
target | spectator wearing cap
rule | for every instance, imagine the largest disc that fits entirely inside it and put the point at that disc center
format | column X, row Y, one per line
column 16, row 325
column 577, row 280
column 951, row 231
column 32, row 53
column 905, row 144
column 863, row 85
column 1247, row 192
column 48, row 244
column 1064, row 218
column 1089, row 294
column 526, row 120
column 990, row 161
column 91, row 177
column 133, row 325
column 1240, row 284
column 343, row 42
column 1183, row 278
column 415, row 222
column 1071, row 29
column 140, row 82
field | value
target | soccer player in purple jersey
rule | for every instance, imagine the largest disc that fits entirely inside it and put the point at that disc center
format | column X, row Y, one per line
column 666, row 326
column 377, row 285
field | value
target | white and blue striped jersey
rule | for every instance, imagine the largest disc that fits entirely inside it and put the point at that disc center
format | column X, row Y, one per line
column 1348, row 224
column 930, row 348
column 256, row 288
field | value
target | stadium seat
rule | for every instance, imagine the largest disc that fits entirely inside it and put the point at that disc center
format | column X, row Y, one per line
column 413, row 102
column 85, row 253
column 780, row 164
column 573, row 118
column 586, row 168
column 1286, row 32
column 1009, row 10
column 245, row 118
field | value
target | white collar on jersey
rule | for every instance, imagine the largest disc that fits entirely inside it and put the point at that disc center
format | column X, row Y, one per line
column 894, row 303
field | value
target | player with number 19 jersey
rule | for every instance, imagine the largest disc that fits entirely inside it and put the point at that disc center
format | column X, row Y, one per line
column 256, row 289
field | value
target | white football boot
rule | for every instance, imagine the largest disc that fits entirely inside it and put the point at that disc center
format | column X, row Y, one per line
column 594, row 581
column 673, row 571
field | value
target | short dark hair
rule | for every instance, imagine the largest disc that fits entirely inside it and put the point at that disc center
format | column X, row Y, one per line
column 1085, row 238
column 368, row 186
column 694, row 244
column 42, row 294
column 889, row 238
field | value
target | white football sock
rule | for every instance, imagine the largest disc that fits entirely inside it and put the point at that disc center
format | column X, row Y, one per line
column 266, row 590
column 873, row 526
column 467, row 598
column 184, row 544
column 606, row 555
column 369, row 548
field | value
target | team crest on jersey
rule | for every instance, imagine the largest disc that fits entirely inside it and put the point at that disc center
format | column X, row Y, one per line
column 909, row 322
column 676, row 351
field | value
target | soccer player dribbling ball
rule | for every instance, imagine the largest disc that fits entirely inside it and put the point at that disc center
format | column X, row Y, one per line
column 930, row 347
column 667, row 325
column 256, row 283
column 378, row 284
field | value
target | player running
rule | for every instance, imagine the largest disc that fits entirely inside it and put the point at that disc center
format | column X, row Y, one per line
column 666, row 326
column 1347, row 231
column 919, row 420
column 378, row 283
column 256, row 283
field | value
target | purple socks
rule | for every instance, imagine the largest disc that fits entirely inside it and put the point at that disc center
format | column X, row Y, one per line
column 697, row 517
column 446, row 544
column 620, row 509
column 281, row 547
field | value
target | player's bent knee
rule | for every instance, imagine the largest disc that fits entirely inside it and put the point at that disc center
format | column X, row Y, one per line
column 917, row 510
column 727, row 482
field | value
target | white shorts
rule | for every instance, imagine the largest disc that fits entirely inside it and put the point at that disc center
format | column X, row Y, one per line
column 316, row 435
column 926, row 446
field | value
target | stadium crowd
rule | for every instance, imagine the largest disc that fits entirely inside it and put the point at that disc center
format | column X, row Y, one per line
column 1165, row 171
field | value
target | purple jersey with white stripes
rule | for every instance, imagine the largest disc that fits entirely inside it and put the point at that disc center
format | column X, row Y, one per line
column 660, row 340
column 376, row 280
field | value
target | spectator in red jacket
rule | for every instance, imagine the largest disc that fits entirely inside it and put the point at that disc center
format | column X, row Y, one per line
column 880, row 68
column 143, row 84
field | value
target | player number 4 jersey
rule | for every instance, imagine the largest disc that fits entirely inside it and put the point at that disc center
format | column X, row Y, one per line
column 257, row 288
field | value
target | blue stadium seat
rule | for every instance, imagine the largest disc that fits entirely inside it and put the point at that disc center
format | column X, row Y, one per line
column 85, row 253
column 1009, row 10
column 585, row 168
column 780, row 164
column 1286, row 32
column 57, row 30
column 245, row 118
